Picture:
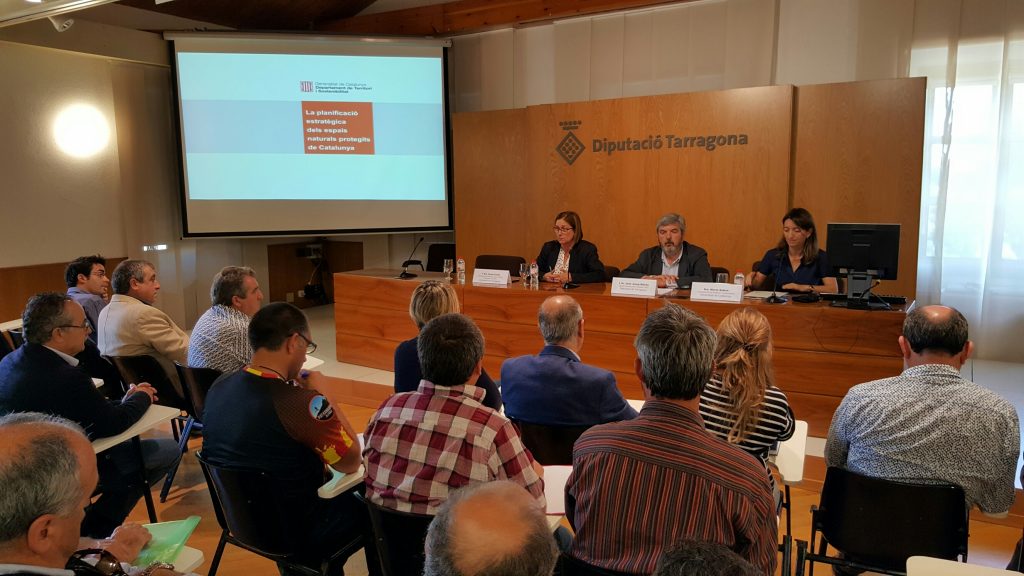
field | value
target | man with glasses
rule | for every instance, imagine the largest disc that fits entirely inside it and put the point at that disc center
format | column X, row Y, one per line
column 44, row 376
column 86, row 278
column 674, row 263
column 220, row 338
column 268, row 416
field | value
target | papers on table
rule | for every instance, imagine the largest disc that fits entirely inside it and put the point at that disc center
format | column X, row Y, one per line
column 760, row 294
column 168, row 541
column 311, row 363
column 555, row 478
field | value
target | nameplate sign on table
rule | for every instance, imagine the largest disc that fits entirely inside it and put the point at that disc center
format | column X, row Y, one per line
column 716, row 292
column 488, row 277
column 634, row 287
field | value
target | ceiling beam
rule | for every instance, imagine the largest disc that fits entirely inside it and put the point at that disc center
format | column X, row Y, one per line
column 465, row 16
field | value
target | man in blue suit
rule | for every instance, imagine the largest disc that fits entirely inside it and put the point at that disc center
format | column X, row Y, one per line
column 555, row 388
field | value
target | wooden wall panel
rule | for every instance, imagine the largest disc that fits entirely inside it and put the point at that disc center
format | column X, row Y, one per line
column 858, row 149
column 510, row 181
column 289, row 272
column 19, row 283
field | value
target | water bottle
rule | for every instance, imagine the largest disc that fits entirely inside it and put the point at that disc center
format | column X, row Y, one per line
column 460, row 270
column 534, row 273
column 738, row 278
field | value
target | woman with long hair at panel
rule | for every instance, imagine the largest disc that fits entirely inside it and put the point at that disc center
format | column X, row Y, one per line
column 569, row 258
column 430, row 300
column 741, row 403
column 797, row 262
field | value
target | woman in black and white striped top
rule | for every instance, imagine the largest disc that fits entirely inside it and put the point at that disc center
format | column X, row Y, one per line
column 741, row 404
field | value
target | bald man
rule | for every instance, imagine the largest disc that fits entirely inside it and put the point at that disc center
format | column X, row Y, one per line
column 555, row 387
column 48, row 471
column 491, row 528
column 930, row 422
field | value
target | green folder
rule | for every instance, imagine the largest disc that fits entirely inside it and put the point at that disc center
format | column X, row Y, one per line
column 168, row 540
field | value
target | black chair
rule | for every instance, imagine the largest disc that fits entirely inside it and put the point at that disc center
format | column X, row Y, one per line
column 145, row 368
column 611, row 272
column 17, row 337
column 550, row 445
column 6, row 346
column 196, row 383
column 436, row 255
column 400, row 537
column 877, row 524
column 253, row 516
column 569, row 566
column 716, row 270
column 499, row 262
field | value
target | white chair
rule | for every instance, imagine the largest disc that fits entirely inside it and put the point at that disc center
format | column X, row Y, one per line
column 790, row 462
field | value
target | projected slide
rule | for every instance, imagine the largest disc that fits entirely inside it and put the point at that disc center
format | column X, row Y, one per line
column 312, row 127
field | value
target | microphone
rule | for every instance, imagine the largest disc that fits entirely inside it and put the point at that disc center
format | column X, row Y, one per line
column 405, row 265
column 775, row 298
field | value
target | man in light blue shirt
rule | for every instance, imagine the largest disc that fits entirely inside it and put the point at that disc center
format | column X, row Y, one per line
column 86, row 278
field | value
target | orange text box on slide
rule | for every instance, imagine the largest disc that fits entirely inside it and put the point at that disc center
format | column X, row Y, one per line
column 337, row 127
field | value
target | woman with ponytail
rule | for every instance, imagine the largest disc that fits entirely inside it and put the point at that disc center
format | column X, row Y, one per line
column 741, row 404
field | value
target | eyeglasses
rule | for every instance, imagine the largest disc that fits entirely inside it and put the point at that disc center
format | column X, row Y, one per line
column 84, row 326
column 310, row 345
column 558, row 229
column 106, row 565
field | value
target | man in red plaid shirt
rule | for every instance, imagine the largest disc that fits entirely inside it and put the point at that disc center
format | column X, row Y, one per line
column 422, row 445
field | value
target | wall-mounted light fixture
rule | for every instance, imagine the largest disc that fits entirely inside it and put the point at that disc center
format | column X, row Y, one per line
column 81, row 130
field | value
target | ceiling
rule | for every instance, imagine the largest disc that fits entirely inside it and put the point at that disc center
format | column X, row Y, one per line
column 261, row 15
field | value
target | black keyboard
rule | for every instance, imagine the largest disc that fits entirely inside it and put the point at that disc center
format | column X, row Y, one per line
column 887, row 298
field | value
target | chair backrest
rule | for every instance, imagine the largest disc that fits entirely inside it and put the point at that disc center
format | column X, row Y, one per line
column 247, row 504
column 196, row 382
column 17, row 337
column 570, row 566
column 6, row 346
column 436, row 254
column 882, row 522
column 611, row 272
column 145, row 368
column 716, row 270
column 400, row 537
column 500, row 262
column 550, row 445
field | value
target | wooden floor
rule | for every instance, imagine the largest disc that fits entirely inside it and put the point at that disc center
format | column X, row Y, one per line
column 990, row 544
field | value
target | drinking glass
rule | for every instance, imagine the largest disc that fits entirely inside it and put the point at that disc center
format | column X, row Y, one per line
column 524, row 272
column 721, row 277
column 448, row 267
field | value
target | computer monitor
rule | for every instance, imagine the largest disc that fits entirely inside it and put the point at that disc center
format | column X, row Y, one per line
column 863, row 253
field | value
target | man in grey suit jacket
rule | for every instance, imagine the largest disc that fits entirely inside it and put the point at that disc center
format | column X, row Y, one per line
column 673, row 262
column 555, row 387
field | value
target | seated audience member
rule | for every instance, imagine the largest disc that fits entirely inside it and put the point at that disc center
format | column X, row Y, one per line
column 44, row 376
column 269, row 416
column 220, row 338
column 639, row 485
column 569, row 258
column 430, row 300
column 555, row 387
column 422, row 445
column 797, row 262
column 86, row 277
column 490, row 528
column 693, row 558
column 741, row 404
column 131, row 326
column 48, row 473
column 674, row 263
column 930, row 422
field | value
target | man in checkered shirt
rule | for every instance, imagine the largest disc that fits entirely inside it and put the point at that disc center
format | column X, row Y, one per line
column 422, row 445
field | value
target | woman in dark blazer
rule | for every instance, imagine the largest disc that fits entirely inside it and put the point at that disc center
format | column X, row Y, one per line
column 569, row 258
column 430, row 300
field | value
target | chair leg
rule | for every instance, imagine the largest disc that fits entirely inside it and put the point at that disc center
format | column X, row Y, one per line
column 801, row 554
column 789, row 513
column 183, row 447
column 218, row 553
column 787, row 555
column 147, row 493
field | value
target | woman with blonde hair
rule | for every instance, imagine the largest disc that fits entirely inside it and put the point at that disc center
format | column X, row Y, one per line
column 741, row 404
column 430, row 300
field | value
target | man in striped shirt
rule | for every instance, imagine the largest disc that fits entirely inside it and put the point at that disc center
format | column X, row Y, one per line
column 641, row 486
